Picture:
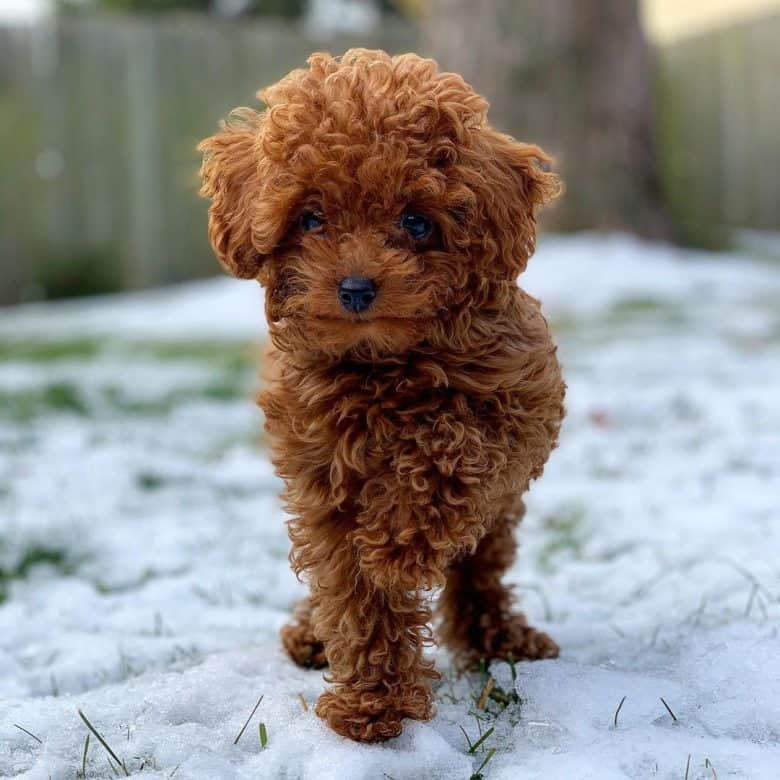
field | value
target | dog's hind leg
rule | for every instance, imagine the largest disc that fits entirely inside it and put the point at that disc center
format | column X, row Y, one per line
column 299, row 640
column 477, row 619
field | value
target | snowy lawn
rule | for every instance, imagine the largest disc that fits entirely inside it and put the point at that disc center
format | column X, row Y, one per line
column 143, row 570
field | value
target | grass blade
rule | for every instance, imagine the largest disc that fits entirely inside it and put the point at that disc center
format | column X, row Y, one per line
column 483, row 696
column 263, row 735
column 104, row 743
column 619, row 707
column 251, row 715
column 467, row 738
column 474, row 747
column 84, row 758
column 510, row 659
column 668, row 709
column 29, row 733
column 487, row 758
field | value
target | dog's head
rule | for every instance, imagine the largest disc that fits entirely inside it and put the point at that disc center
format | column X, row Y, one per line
column 372, row 200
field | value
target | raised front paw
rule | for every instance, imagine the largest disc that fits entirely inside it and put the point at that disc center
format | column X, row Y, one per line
column 373, row 715
column 304, row 648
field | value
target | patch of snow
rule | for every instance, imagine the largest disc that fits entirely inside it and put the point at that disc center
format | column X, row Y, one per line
column 649, row 552
column 214, row 308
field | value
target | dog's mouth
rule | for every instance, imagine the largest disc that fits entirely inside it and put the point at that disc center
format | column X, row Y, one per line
column 360, row 337
column 355, row 321
column 369, row 319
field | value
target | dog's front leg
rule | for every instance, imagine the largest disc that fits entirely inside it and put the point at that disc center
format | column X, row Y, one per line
column 432, row 506
column 374, row 639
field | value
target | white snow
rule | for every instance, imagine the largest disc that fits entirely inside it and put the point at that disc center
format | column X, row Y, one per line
column 24, row 11
column 217, row 308
column 650, row 550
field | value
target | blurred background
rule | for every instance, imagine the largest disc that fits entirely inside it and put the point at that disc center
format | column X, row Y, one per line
column 663, row 116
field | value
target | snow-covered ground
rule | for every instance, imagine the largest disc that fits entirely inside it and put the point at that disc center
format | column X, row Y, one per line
column 143, row 571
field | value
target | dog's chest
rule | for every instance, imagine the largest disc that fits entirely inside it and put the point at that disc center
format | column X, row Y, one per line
column 375, row 421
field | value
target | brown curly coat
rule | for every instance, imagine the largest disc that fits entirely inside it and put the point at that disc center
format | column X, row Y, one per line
column 405, row 434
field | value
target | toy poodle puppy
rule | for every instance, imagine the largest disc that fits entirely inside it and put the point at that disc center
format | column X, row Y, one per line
column 413, row 388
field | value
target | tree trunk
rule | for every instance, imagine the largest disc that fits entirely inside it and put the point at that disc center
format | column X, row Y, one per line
column 574, row 77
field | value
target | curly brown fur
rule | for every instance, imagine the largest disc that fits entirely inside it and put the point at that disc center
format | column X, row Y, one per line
column 477, row 620
column 406, row 432
column 299, row 640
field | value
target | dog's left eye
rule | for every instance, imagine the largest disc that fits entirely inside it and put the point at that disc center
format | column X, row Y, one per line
column 416, row 225
column 310, row 221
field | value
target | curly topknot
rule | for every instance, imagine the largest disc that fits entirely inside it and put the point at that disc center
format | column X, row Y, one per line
column 365, row 95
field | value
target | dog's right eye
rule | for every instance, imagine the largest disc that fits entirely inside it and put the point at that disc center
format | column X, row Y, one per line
column 416, row 225
column 310, row 221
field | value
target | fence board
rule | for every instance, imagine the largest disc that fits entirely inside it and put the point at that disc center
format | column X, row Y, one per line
column 718, row 130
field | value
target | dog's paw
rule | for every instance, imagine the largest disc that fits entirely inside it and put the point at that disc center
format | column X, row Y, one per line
column 529, row 644
column 373, row 715
column 303, row 647
column 515, row 639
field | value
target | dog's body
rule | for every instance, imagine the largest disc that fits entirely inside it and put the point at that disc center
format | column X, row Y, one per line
column 413, row 390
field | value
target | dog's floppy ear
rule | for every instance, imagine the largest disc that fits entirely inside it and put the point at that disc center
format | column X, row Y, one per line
column 231, row 178
column 518, row 182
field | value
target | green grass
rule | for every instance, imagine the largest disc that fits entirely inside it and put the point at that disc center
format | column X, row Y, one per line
column 624, row 313
column 495, row 709
column 147, row 575
column 230, row 364
column 149, row 481
column 226, row 388
column 38, row 351
column 563, row 533
column 57, row 397
column 235, row 355
column 67, row 398
column 227, row 353
column 58, row 558
column 631, row 310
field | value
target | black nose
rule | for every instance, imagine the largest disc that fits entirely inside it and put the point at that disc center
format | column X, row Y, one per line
column 356, row 293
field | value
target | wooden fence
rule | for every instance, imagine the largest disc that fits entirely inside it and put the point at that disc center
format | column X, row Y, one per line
column 718, row 125
column 99, row 119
